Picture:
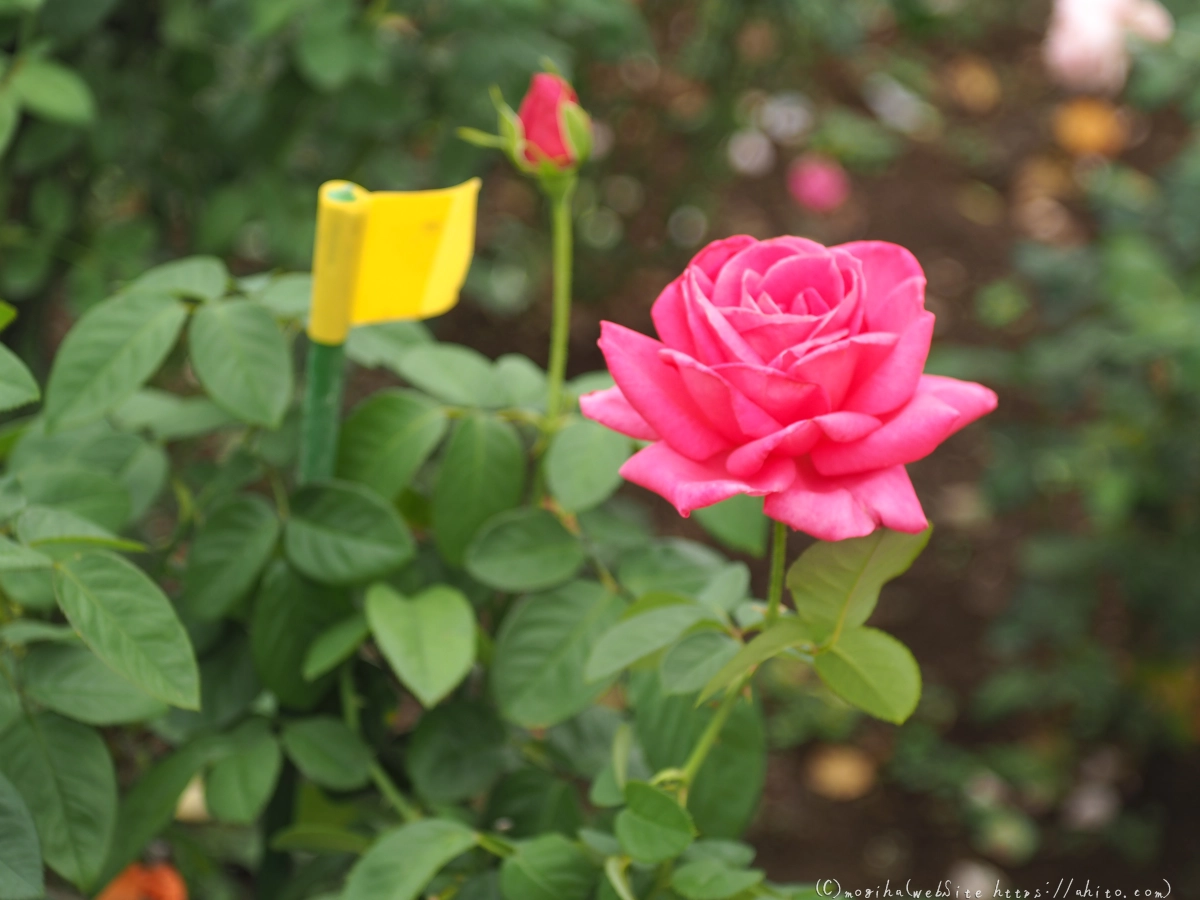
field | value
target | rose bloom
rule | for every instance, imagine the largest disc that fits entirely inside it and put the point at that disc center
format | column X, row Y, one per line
column 818, row 183
column 541, row 116
column 790, row 371
column 1085, row 43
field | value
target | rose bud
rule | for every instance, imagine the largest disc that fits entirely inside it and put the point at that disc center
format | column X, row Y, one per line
column 818, row 183
column 557, row 130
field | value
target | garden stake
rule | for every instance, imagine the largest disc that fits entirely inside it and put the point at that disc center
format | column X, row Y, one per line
column 379, row 257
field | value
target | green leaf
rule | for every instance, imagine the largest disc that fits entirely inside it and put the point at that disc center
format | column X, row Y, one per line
column 21, row 875
column 541, row 649
column 524, row 549
column 687, row 666
column 783, row 635
column 873, row 671
column 239, row 786
column 114, row 347
column 454, row 374
column 674, row 565
column 227, row 555
column 738, row 523
column 150, row 804
column 533, row 802
column 196, row 277
column 15, row 558
column 385, row 344
column 429, row 641
column 328, row 753
column 42, row 525
column 10, row 115
column 547, row 868
column 583, row 464
column 482, row 473
column 387, row 438
column 341, row 533
column 725, row 794
column 403, row 861
column 52, row 91
column 656, row 621
column 652, row 827
column 523, row 381
column 71, row 680
column 129, row 623
column 712, row 879
column 64, row 773
column 17, row 387
column 335, row 645
column 91, row 493
column 242, row 359
column 169, row 417
column 836, row 584
column 456, row 752
column 288, row 296
column 34, row 631
column 290, row 612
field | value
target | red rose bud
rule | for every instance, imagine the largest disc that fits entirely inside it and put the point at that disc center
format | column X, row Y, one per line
column 557, row 130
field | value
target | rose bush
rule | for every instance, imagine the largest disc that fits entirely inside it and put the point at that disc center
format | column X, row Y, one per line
column 790, row 371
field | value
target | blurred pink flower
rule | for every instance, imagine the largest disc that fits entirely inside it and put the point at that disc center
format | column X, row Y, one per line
column 818, row 183
column 541, row 116
column 790, row 371
column 1085, row 45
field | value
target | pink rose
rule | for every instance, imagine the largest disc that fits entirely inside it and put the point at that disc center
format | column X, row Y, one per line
column 790, row 371
column 541, row 115
column 818, row 183
column 1085, row 43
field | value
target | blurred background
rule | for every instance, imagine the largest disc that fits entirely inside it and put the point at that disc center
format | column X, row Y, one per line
column 1052, row 196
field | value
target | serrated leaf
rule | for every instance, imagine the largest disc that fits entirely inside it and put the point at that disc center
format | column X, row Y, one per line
column 547, row 868
column 453, row 374
column 712, row 879
column 52, row 91
column 524, row 550
column 130, row 624
column 335, row 645
column 197, row 277
column 429, row 641
column 342, row 533
column 64, row 773
column 645, row 628
column 21, row 875
column 403, row 861
column 873, row 671
column 227, row 555
column 328, row 753
column 240, row 785
column 652, row 827
column 242, row 359
column 114, row 347
column 386, row 439
column 71, row 680
column 583, row 464
column 17, row 387
column 836, row 584
column 541, row 648
column 482, row 473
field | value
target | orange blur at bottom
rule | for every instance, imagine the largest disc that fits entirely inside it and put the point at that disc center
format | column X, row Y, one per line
column 159, row 881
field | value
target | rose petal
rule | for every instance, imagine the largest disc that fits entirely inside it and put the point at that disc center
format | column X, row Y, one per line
column 970, row 399
column 834, row 509
column 847, row 426
column 784, row 397
column 689, row 485
column 730, row 412
column 789, row 280
column 904, row 303
column 715, row 339
column 669, row 314
column 839, row 366
column 911, row 434
column 657, row 392
column 610, row 408
column 885, row 265
column 895, row 379
column 793, row 441
column 757, row 257
column 710, row 259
